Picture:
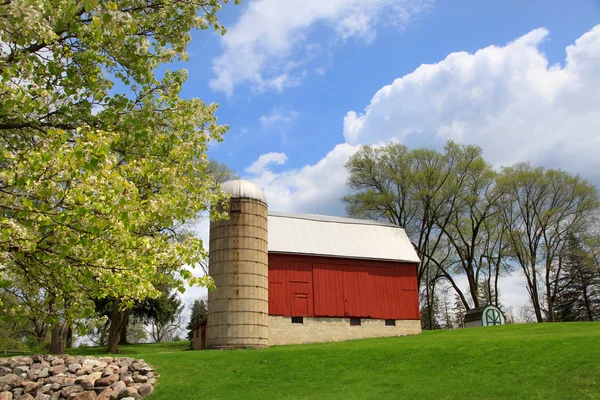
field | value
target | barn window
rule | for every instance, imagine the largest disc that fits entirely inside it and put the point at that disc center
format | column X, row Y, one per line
column 354, row 321
column 297, row 320
column 390, row 322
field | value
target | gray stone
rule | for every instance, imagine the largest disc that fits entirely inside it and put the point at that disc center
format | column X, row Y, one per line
column 105, row 395
column 107, row 381
column 25, row 397
column 32, row 374
column 93, row 376
column 74, row 367
column 128, row 392
column 22, row 361
column 31, row 387
column 45, row 389
column 140, row 378
column 146, row 389
column 11, row 379
column 85, row 396
column 118, row 386
column 62, row 380
column 146, row 369
column 67, row 391
column 75, row 378
column 21, row 369
column 58, row 369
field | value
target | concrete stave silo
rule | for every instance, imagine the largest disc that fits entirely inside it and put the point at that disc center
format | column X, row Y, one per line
column 238, row 263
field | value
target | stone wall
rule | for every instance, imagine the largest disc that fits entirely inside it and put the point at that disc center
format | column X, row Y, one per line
column 312, row 330
column 48, row 377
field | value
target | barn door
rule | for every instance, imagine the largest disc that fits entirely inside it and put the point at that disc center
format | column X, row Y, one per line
column 300, row 304
column 493, row 317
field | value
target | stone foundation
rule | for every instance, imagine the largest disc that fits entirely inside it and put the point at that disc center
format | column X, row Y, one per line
column 313, row 330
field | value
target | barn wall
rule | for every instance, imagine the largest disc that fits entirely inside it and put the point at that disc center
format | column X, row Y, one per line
column 310, row 286
column 282, row 331
column 473, row 324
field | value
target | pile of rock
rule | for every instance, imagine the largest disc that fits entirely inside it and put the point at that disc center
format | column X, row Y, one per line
column 46, row 377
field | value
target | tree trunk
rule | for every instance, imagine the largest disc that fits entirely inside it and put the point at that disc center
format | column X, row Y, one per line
column 69, row 338
column 123, row 338
column 533, row 293
column 119, row 317
column 550, row 300
column 429, row 306
column 57, row 344
column 496, row 276
column 586, row 300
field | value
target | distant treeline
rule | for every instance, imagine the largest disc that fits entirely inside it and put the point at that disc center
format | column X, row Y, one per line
column 465, row 218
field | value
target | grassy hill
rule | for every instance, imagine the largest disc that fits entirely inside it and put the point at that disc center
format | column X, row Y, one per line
column 536, row 361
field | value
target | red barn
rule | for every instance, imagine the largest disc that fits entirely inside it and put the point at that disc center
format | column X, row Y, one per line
column 295, row 278
column 334, row 278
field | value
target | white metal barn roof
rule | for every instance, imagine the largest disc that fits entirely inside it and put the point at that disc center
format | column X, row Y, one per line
column 338, row 237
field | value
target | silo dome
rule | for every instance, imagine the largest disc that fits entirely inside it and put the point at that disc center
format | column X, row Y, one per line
column 241, row 188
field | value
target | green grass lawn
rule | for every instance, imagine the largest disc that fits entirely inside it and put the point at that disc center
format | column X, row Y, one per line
column 535, row 361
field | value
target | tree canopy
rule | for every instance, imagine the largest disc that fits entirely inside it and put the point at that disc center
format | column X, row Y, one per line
column 100, row 157
column 465, row 218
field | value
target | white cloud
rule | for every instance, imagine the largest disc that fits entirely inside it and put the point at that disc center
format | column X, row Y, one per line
column 269, row 45
column 260, row 166
column 508, row 100
column 278, row 115
column 310, row 189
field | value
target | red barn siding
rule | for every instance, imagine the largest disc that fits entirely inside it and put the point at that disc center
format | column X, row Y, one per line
column 311, row 286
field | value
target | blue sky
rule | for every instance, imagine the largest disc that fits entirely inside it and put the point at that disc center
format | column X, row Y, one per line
column 305, row 120
column 303, row 83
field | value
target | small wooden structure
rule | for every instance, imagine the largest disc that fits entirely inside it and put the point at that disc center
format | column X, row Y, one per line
column 199, row 335
column 484, row 316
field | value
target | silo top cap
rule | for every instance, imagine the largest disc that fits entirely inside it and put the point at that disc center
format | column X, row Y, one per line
column 244, row 189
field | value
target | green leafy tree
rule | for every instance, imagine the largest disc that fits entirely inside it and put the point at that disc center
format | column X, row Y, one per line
column 166, row 320
column 578, row 297
column 459, row 312
column 136, row 331
column 199, row 311
column 442, row 199
column 541, row 209
column 100, row 156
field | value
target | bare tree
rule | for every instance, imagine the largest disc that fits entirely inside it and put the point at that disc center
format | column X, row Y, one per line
column 541, row 209
column 524, row 314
